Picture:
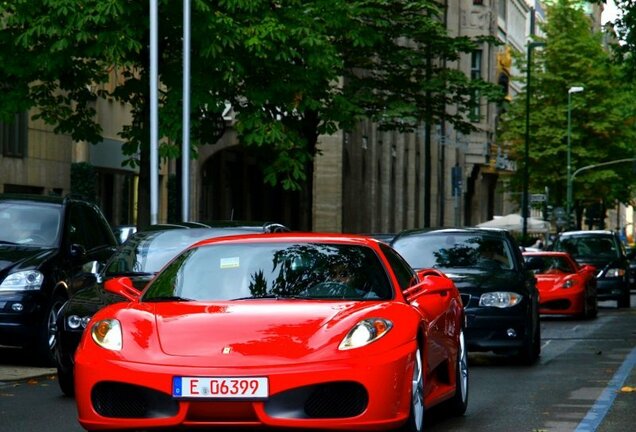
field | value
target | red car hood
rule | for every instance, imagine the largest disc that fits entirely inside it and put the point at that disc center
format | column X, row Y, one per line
column 230, row 332
column 547, row 282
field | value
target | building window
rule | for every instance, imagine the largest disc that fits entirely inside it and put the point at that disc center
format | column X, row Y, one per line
column 475, row 73
column 478, row 2
column 501, row 8
column 13, row 136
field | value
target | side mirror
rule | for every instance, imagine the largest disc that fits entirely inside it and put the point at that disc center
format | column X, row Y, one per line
column 122, row 286
column 588, row 268
column 431, row 281
column 77, row 251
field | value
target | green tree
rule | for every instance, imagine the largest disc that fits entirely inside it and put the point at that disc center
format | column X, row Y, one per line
column 291, row 69
column 602, row 128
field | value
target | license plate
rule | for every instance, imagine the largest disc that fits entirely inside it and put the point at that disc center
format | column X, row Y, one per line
column 220, row 387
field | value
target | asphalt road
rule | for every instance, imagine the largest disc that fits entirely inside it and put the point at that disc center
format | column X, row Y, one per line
column 585, row 381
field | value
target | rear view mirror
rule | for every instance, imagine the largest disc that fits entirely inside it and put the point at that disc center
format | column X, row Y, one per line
column 122, row 286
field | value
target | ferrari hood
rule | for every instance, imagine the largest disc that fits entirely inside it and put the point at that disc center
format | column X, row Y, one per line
column 230, row 331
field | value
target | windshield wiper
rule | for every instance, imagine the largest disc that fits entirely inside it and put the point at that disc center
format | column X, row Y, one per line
column 270, row 296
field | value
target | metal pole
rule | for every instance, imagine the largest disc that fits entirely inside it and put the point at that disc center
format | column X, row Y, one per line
column 524, row 198
column 569, row 161
column 154, row 112
column 568, row 205
column 185, row 145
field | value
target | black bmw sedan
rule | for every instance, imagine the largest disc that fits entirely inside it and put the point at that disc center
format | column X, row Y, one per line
column 498, row 290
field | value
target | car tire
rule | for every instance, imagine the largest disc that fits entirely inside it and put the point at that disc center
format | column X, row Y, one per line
column 415, row 421
column 458, row 404
column 529, row 354
column 625, row 300
column 591, row 307
column 66, row 381
column 46, row 339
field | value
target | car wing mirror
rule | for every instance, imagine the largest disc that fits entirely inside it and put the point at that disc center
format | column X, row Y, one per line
column 431, row 281
column 122, row 286
column 588, row 268
column 77, row 251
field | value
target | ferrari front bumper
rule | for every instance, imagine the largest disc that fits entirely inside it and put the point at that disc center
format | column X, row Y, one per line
column 356, row 393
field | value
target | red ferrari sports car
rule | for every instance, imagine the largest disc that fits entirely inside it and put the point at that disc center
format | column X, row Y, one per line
column 309, row 331
column 565, row 287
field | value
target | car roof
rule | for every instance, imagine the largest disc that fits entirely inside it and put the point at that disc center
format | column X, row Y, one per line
column 586, row 232
column 468, row 230
column 301, row 237
column 53, row 199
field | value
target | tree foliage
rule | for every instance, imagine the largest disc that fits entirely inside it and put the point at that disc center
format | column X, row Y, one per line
column 602, row 115
column 291, row 69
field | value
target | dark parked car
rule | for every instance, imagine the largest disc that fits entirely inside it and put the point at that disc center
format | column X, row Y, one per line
column 139, row 258
column 497, row 288
column 605, row 251
column 43, row 241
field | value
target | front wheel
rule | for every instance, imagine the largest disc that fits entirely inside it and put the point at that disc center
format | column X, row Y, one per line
column 47, row 337
column 625, row 300
column 459, row 402
column 66, row 381
column 529, row 354
column 415, row 422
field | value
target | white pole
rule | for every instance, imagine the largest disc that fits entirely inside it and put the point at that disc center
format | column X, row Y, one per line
column 185, row 148
column 154, row 116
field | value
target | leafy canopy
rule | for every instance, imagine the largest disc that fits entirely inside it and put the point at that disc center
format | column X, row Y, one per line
column 291, row 69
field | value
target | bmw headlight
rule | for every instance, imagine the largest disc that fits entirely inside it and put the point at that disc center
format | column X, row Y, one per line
column 75, row 322
column 500, row 299
column 27, row 280
column 615, row 272
column 365, row 332
column 107, row 334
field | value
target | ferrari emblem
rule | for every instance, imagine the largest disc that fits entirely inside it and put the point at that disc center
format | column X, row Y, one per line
column 227, row 350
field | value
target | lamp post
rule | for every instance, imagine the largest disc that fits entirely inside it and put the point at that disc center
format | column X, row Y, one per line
column 569, row 162
column 524, row 198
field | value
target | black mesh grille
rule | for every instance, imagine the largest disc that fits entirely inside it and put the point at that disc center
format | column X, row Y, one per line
column 128, row 401
column 336, row 400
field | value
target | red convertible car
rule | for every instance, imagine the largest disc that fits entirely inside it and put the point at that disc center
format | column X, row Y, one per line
column 306, row 331
column 565, row 287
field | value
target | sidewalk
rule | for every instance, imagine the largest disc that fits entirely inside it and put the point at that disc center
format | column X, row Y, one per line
column 9, row 373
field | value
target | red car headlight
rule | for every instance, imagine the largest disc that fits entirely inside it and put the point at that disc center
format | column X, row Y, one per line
column 365, row 332
column 107, row 334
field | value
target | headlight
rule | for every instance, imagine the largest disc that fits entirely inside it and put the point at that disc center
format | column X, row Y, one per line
column 27, row 280
column 365, row 332
column 614, row 272
column 568, row 283
column 107, row 334
column 75, row 322
column 500, row 299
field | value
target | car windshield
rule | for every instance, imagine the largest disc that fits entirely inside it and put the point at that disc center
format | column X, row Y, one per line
column 550, row 264
column 147, row 252
column 240, row 271
column 585, row 247
column 455, row 250
column 30, row 224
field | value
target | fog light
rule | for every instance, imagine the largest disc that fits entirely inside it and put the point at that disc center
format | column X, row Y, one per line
column 17, row 307
column 511, row 333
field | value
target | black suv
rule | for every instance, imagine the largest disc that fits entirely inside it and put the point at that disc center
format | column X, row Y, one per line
column 497, row 288
column 605, row 251
column 43, row 242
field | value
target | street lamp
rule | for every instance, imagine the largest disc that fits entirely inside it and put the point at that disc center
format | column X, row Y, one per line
column 569, row 179
column 525, row 213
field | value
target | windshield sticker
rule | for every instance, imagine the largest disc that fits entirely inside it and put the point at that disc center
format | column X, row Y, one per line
column 229, row 262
